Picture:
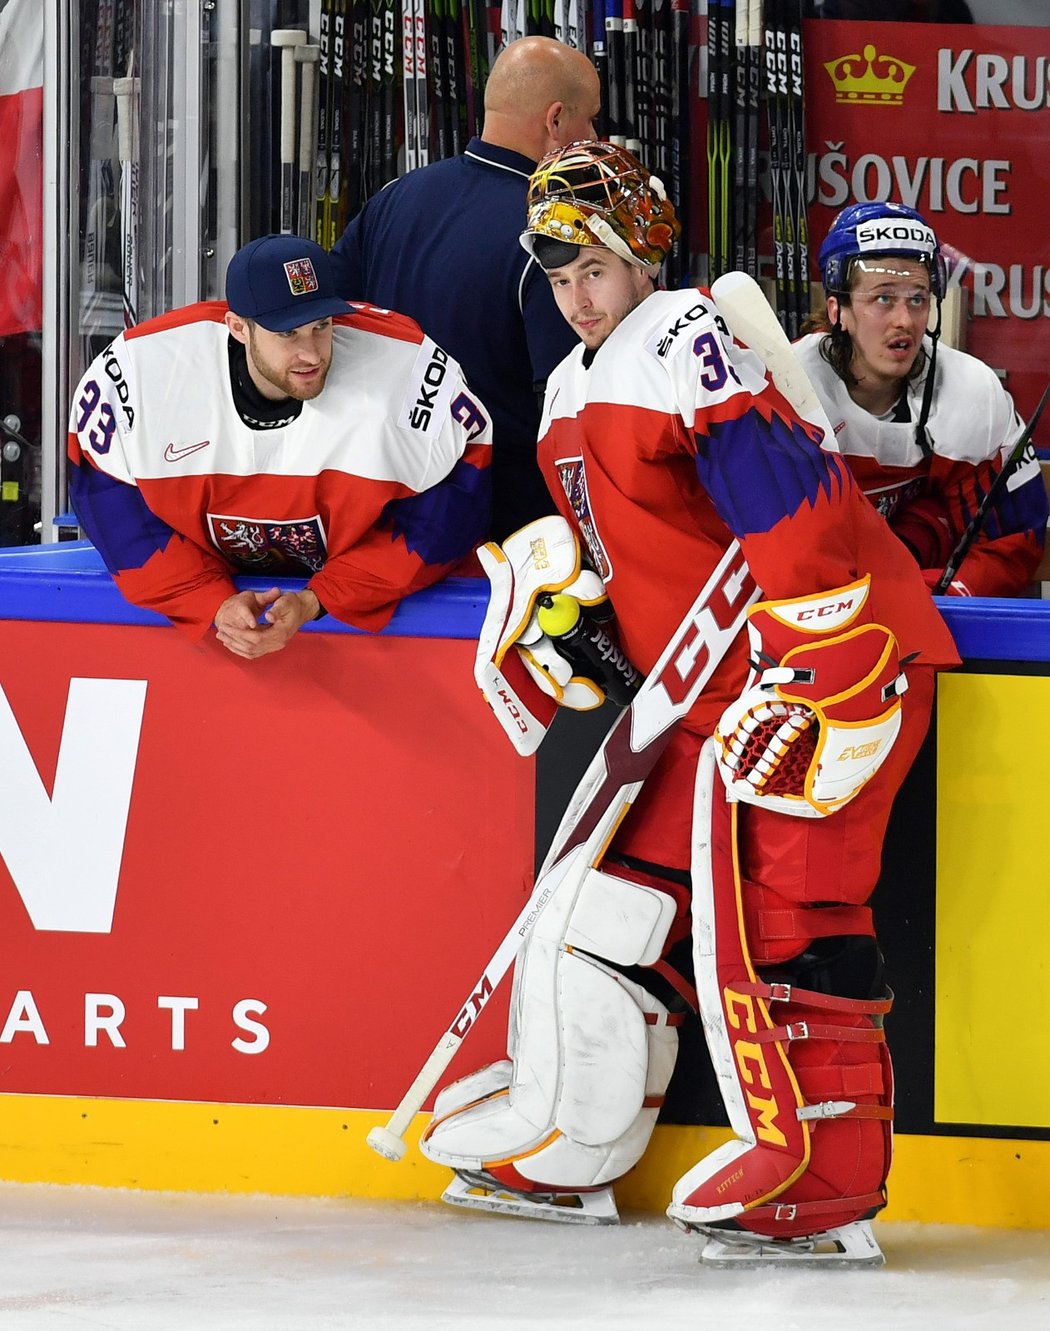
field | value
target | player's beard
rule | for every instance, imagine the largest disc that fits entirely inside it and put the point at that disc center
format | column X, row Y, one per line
column 285, row 381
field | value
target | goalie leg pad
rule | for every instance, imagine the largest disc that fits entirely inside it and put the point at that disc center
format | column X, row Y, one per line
column 805, row 1076
column 591, row 1051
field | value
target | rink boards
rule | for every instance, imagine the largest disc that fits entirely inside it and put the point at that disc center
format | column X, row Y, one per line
column 239, row 902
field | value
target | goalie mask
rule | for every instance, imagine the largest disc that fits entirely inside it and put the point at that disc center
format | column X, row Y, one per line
column 592, row 193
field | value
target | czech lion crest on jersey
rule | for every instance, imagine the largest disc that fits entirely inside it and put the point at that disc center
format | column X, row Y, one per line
column 260, row 546
column 573, row 477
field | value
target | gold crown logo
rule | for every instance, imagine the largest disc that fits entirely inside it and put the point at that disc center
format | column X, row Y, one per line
column 869, row 78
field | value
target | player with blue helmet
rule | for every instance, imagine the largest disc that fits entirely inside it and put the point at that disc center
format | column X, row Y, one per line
column 925, row 427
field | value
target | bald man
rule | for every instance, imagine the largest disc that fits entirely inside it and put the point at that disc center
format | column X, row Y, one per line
column 441, row 245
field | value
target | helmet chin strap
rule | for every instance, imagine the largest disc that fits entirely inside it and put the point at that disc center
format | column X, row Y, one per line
column 927, row 390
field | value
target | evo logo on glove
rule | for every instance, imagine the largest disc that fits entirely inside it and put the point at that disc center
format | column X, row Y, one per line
column 854, row 751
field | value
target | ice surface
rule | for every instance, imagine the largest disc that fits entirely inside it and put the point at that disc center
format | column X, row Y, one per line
column 85, row 1259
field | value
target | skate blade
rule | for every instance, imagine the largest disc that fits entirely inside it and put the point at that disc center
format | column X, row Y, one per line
column 847, row 1246
column 584, row 1208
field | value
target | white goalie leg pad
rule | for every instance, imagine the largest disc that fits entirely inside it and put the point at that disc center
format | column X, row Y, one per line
column 592, row 1052
column 492, row 1079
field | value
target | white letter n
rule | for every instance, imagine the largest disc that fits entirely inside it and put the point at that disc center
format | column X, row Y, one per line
column 63, row 853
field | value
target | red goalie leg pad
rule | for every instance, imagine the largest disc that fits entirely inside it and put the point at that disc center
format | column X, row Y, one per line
column 758, row 1085
column 804, row 1075
column 838, row 1054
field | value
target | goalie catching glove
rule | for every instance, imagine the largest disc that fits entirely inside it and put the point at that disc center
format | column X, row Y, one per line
column 822, row 710
column 523, row 672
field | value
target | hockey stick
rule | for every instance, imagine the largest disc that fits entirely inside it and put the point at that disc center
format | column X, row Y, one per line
column 796, row 166
column 126, row 90
column 307, row 57
column 337, row 75
column 322, row 196
column 741, row 79
column 408, row 88
column 751, row 319
column 973, row 527
column 285, row 40
column 614, row 55
column 631, row 128
column 777, row 165
column 356, row 111
column 606, row 792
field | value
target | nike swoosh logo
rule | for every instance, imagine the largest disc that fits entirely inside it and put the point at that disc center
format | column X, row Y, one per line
column 173, row 454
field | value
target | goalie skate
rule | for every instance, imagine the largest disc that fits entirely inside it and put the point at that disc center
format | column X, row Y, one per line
column 483, row 1193
column 847, row 1246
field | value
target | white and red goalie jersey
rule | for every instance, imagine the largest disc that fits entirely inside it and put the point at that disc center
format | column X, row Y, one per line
column 376, row 488
column 669, row 444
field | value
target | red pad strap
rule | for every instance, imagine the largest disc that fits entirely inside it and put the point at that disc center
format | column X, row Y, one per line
column 784, row 922
column 787, row 1211
column 666, row 1019
column 678, row 983
column 807, row 1030
column 844, row 1082
column 789, row 993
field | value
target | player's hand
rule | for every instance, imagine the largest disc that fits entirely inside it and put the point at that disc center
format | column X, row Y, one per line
column 253, row 624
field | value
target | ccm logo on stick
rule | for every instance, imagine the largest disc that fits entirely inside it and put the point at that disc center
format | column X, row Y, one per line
column 713, row 625
column 473, row 1007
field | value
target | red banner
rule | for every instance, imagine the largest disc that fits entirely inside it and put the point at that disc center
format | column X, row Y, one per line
column 951, row 120
column 265, row 882
column 21, row 165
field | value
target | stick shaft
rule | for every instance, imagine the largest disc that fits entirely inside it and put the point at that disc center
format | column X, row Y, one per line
column 631, row 748
column 974, row 526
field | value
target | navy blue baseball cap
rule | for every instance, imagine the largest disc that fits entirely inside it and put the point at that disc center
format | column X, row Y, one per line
column 282, row 282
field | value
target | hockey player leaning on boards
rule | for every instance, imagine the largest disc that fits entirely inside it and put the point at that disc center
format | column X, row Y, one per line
column 283, row 432
column 664, row 443
column 925, row 428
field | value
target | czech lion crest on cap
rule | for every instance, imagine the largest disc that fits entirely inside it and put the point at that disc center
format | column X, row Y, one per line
column 301, row 277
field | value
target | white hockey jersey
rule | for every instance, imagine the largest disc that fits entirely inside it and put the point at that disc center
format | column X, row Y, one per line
column 929, row 499
column 377, row 487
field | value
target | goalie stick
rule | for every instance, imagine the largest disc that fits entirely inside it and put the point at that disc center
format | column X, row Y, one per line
column 973, row 527
column 607, row 790
column 751, row 319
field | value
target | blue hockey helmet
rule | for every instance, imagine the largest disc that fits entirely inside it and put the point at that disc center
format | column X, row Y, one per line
column 885, row 229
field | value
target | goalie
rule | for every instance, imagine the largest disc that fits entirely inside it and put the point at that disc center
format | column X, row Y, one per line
column 737, row 882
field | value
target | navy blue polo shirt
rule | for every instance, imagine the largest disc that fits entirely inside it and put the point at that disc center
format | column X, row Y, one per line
column 440, row 244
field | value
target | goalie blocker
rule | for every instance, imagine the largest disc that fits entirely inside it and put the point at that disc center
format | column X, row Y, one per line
column 538, row 583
